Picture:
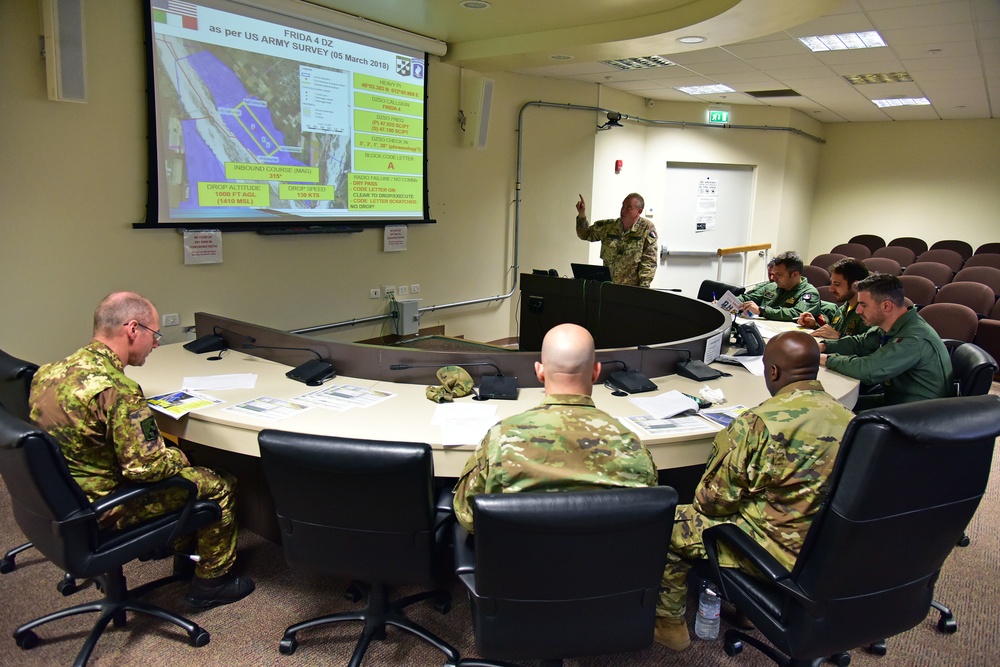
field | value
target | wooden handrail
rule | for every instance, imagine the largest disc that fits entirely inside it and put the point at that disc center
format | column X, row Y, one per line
column 734, row 250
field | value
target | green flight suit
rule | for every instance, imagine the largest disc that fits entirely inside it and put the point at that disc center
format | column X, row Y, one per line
column 760, row 293
column 767, row 473
column 631, row 255
column 909, row 360
column 843, row 318
column 786, row 305
column 109, row 438
column 563, row 444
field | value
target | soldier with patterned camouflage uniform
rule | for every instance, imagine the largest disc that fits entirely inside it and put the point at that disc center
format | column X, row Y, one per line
column 109, row 438
column 767, row 473
column 795, row 294
column 842, row 320
column 564, row 444
column 628, row 243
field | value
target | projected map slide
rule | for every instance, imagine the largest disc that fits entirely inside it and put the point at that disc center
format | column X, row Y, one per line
column 260, row 121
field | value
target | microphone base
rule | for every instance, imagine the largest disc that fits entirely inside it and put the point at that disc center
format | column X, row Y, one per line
column 498, row 386
column 209, row 343
column 312, row 373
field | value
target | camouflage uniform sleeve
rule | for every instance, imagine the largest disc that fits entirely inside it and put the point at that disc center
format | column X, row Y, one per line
column 648, row 260
column 471, row 482
column 885, row 363
column 140, row 449
column 586, row 231
column 726, row 478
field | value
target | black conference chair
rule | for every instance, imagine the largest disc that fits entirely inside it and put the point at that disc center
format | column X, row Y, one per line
column 364, row 510
column 972, row 369
column 54, row 513
column 710, row 290
column 906, row 483
column 533, row 587
column 15, row 386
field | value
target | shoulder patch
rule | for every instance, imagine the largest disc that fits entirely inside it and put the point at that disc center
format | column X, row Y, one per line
column 149, row 430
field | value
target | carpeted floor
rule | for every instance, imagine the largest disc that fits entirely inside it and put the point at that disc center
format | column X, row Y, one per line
column 247, row 633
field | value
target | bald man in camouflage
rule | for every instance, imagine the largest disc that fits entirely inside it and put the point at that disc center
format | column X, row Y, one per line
column 564, row 444
column 628, row 243
column 767, row 473
column 109, row 438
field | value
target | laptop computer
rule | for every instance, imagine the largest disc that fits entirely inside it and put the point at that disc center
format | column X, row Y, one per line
column 591, row 272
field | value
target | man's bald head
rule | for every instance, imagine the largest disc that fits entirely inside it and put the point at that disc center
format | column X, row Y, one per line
column 792, row 356
column 567, row 365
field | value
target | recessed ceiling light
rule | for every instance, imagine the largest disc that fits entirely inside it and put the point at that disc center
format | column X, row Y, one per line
column 560, row 56
column 844, row 40
column 645, row 62
column 902, row 102
column 691, row 39
column 878, row 77
column 705, row 90
column 475, row 4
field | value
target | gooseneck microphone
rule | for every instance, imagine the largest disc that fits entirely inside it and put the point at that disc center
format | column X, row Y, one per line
column 313, row 373
column 628, row 382
column 497, row 386
column 213, row 342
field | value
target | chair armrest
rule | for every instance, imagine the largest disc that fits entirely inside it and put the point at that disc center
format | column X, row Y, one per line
column 465, row 551
column 743, row 545
column 444, row 511
column 138, row 490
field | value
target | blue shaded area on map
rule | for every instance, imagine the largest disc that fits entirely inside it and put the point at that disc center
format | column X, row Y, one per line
column 249, row 121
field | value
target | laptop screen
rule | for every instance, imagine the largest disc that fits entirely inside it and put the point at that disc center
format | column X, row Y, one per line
column 591, row 272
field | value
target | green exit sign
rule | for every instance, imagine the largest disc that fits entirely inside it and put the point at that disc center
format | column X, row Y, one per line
column 720, row 116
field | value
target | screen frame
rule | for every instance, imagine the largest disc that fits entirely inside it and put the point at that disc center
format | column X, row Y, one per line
column 307, row 225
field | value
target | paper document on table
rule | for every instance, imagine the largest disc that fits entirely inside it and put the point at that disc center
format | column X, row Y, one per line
column 268, row 408
column 645, row 425
column 723, row 416
column 178, row 403
column 730, row 302
column 215, row 382
column 344, row 397
column 464, row 423
column 667, row 404
column 753, row 364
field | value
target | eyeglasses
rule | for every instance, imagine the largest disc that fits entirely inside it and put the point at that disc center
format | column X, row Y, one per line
column 156, row 334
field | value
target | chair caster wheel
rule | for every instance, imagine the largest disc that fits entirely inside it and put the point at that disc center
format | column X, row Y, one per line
column 947, row 626
column 877, row 648
column 733, row 649
column 841, row 659
column 119, row 619
column 965, row 541
column 287, row 645
column 353, row 593
column 379, row 634
column 7, row 565
column 26, row 640
column 442, row 603
column 67, row 586
column 199, row 637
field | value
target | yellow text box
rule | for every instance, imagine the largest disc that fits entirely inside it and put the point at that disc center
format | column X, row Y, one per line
column 389, row 104
column 393, row 163
column 377, row 142
column 378, row 192
column 379, row 85
column 252, row 171
column 233, row 194
column 386, row 123
column 307, row 192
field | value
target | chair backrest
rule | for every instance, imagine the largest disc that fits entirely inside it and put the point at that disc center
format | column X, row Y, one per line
column 949, row 258
column 361, row 509
column 991, row 259
column 936, row 272
column 916, row 245
column 825, row 294
column 855, row 250
column 984, row 275
column 827, row 259
column 883, row 265
column 907, row 480
column 536, row 582
column 903, row 255
column 816, row 275
column 992, row 248
column 48, row 505
column 972, row 369
column 918, row 289
column 711, row 290
column 951, row 320
column 15, row 384
column 872, row 241
column 976, row 296
column 963, row 248
column 995, row 313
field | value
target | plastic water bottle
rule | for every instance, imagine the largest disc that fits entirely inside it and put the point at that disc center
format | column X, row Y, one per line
column 706, row 624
